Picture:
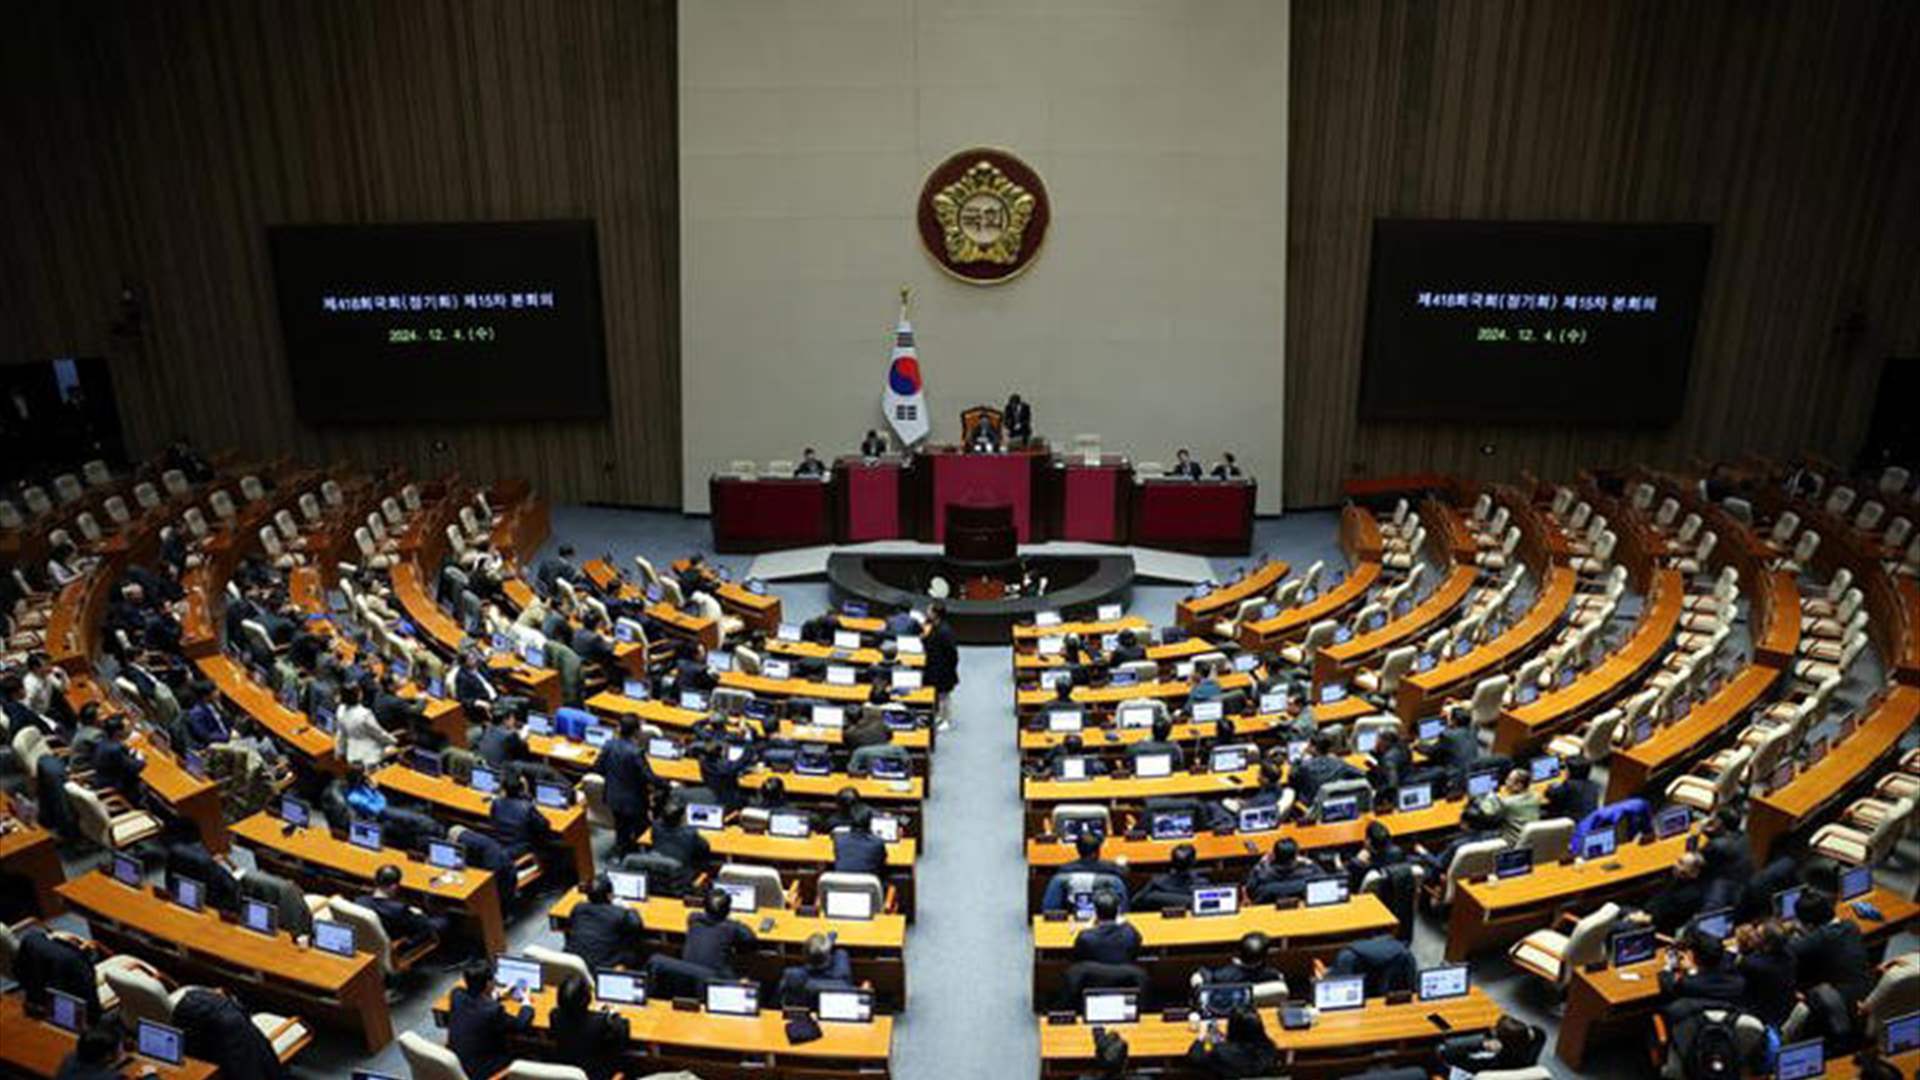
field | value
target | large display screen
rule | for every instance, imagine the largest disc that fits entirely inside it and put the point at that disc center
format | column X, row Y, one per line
column 1531, row 322
column 462, row 321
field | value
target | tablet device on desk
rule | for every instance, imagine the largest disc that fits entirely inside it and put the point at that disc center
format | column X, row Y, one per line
column 787, row 632
column 812, row 761
column 517, row 972
column 65, row 1011
column 693, row 700
column 484, row 781
column 1716, row 924
column 1183, row 669
column 1205, row 712
column 1332, row 692
column 841, row 675
column 1482, row 783
column 1671, row 822
column 1046, row 618
column 746, row 899
column 333, row 937
column 1216, row 900
column 1543, row 768
column 1444, row 983
column 733, row 999
column 534, row 655
column 1061, row 720
column 1259, row 818
column 707, row 816
column 1786, row 901
column 908, row 679
column 849, row 904
column 1071, row 768
column 1150, row 766
column 1172, row 825
column 757, row 709
column 1527, row 694
column 442, row 855
column 553, row 796
column 1229, row 759
column 1598, row 844
column 624, row 632
column 831, row 716
column 1245, row 662
column 294, row 812
column 1802, row 1060
column 663, row 748
column 1414, row 797
column 1220, row 1000
column 127, row 870
column 620, row 987
column 1431, row 727
column 1109, row 612
column 1902, row 1034
column 188, row 892
column 635, row 689
column 1273, row 701
column 1110, row 1006
column 846, row 639
column 1342, row 635
column 627, row 885
column 1513, row 862
column 1365, row 741
column 1632, row 946
column 886, row 827
column 1425, row 662
column 539, row 724
column 1855, row 882
column 845, row 1006
column 1322, row 891
column 364, row 834
column 1135, row 716
column 1337, row 992
column 159, row 1042
column 424, row 762
column 787, row 823
column 1335, row 811
column 654, row 592
column 888, row 768
column 259, row 916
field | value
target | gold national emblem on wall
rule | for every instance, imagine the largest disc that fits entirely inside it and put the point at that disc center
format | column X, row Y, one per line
column 983, row 215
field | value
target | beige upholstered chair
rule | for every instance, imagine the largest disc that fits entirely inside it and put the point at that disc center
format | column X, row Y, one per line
column 1555, row 955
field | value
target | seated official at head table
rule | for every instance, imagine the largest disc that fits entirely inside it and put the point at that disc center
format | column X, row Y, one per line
column 874, row 445
column 985, row 438
column 1184, row 467
column 1227, row 468
column 810, row 465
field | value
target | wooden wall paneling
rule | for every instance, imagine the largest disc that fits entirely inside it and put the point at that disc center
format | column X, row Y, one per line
column 194, row 126
column 1792, row 126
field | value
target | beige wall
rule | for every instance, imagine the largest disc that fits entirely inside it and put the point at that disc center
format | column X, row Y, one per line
column 1154, row 314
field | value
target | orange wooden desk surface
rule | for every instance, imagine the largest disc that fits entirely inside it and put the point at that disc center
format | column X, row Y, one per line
column 1202, row 611
column 852, row 695
column 287, row 725
column 816, row 849
column 659, row 1022
column 1781, row 811
column 1163, row 690
column 1519, row 728
column 36, row 1048
column 1153, row 1037
column 885, row 932
column 569, row 825
column 1489, row 911
column 687, row 771
column 1419, row 690
column 1329, row 663
column 661, row 714
column 1096, row 739
column 1295, row 620
column 1360, row 916
column 862, row 657
column 1134, row 789
column 1184, row 649
column 1671, row 747
column 1031, row 633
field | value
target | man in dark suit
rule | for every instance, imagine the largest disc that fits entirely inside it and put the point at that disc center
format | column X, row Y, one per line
column 500, row 743
column 188, row 857
column 96, row 1056
column 1228, row 468
column 824, row 967
column 220, row 1032
column 1250, row 964
column 628, row 784
column 1129, row 649
column 402, row 921
column 1828, row 950
column 1184, row 467
column 604, row 933
column 873, row 445
column 479, row 1025
column 810, row 464
column 1322, row 766
column 1576, row 795
column 857, row 850
column 556, row 567
column 1018, row 416
column 116, row 765
column 1108, row 940
column 713, row 937
column 1161, row 742
column 943, row 663
column 49, row 960
column 682, row 843
column 516, row 820
column 1087, row 860
column 205, row 726
column 1383, row 960
column 1704, row 975
column 1456, row 748
column 1282, row 873
column 1175, row 887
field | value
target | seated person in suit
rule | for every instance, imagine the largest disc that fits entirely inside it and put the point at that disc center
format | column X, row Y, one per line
column 1161, row 743
column 1071, row 745
column 500, row 743
column 1184, row 467
column 1227, row 468
column 116, row 766
column 985, row 438
column 1705, row 974
column 1456, row 748
column 96, row 1056
column 1514, row 1044
column 1827, row 950
column 1281, row 873
column 1240, row 1047
column 188, row 857
column 56, row 960
column 518, row 823
column 810, row 465
column 873, row 445
column 221, row 1032
column 856, row 850
column 681, row 842
column 402, row 921
column 1086, row 860
column 605, row 933
column 1321, row 766
column 1378, row 853
column 590, row 1039
column 1384, row 960
column 1251, row 964
column 1518, row 805
column 713, row 937
column 479, row 1027
column 1175, row 887
column 1681, row 896
column 1108, row 940
column 824, row 966
column 1129, row 648
column 1576, row 794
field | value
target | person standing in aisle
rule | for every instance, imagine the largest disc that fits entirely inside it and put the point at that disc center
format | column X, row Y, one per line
column 943, row 664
